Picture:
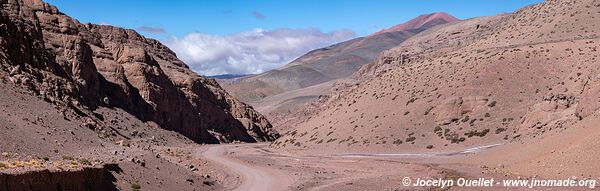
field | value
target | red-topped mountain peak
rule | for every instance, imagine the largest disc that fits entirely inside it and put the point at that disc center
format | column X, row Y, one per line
column 420, row 21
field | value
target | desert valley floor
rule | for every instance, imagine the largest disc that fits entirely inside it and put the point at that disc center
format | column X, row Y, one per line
column 256, row 167
column 423, row 105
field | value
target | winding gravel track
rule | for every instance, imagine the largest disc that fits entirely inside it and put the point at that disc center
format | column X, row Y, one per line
column 252, row 177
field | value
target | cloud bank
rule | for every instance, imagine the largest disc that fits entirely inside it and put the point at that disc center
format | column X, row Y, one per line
column 250, row 52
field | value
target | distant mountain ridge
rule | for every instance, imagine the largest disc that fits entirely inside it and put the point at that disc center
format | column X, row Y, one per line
column 321, row 67
column 421, row 21
column 228, row 76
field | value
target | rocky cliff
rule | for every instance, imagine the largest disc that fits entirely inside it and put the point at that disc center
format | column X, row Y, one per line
column 86, row 66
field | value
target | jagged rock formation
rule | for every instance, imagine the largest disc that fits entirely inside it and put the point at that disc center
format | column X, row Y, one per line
column 86, row 66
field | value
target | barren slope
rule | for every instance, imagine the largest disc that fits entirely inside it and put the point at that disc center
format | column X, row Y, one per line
column 513, row 77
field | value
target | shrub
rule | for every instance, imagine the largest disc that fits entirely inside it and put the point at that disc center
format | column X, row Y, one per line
column 454, row 138
column 85, row 162
column 397, row 141
column 136, row 186
column 478, row 133
column 483, row 133
column 500, row 130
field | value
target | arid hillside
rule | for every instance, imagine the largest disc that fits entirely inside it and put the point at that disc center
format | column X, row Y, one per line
column 489, row 80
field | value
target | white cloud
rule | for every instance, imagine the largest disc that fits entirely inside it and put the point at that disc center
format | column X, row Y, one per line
column 250, row 52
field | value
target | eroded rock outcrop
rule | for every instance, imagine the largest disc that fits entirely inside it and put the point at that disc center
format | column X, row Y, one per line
column 85, row 66
column 453, row 109
column 88, row 178
column 590, row 101
column 553, row 111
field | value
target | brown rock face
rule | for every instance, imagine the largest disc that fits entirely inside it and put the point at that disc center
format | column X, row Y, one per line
column 87, row 66
column 90, row 178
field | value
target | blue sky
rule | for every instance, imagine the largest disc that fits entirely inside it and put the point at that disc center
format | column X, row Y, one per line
column 173, row 21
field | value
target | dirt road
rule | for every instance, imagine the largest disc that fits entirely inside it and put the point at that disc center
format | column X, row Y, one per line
column 259, row 169
column 252, row 177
